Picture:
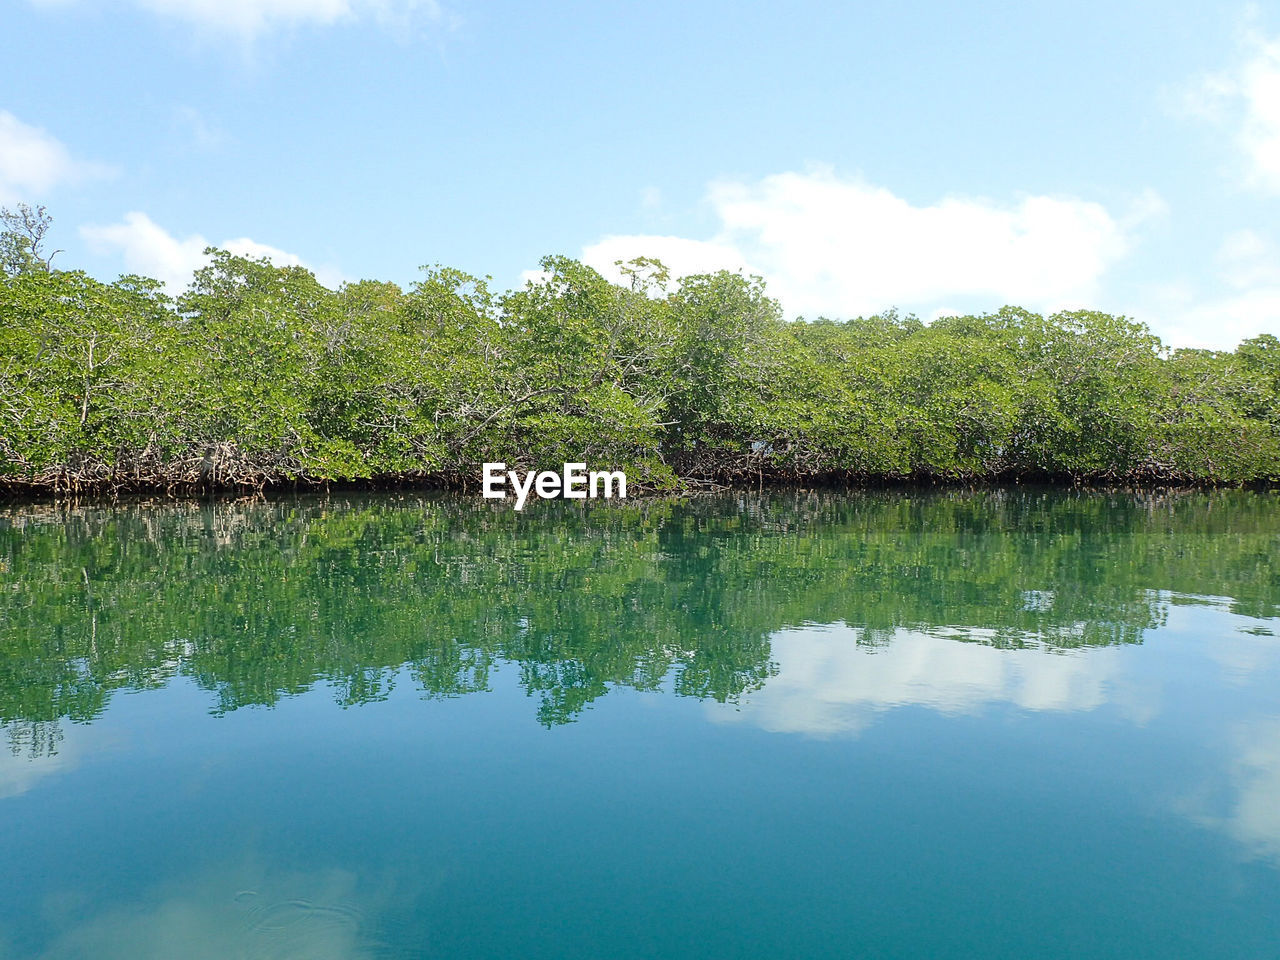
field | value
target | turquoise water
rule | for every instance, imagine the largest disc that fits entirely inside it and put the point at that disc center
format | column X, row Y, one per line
column 982, row 725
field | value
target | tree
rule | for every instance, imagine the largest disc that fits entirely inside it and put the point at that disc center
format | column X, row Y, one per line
column 22, row 240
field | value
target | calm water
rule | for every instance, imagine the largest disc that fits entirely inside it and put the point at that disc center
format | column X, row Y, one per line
column 995, row 725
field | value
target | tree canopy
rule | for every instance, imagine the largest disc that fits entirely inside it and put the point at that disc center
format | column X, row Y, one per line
column 259, row 375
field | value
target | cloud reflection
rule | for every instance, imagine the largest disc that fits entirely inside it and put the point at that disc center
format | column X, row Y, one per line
column 228, row 912
column 1245, row 804
column 36, row 749
column 831, row 681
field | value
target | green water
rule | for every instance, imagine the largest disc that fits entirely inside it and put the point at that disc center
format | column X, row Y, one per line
column 984, row 725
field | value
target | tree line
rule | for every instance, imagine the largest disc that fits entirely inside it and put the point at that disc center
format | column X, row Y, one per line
column 259, row 375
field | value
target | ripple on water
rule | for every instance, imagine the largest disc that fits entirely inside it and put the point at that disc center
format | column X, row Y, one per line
column 298, row 928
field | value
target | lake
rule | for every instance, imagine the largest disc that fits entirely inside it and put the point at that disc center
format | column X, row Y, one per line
column 1005, row 723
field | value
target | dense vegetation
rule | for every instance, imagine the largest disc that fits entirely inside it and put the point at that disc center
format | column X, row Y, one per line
column 260, row 375
column 262, row 600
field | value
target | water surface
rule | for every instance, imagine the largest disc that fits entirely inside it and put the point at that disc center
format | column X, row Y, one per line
column 982, row 725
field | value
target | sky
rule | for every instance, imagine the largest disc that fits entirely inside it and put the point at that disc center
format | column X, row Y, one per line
column 933, row 157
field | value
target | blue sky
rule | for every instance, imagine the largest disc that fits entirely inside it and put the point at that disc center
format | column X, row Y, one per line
column 936, row 157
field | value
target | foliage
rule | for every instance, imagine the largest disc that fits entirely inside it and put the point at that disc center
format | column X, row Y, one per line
column 259, row 601
column 258, row 374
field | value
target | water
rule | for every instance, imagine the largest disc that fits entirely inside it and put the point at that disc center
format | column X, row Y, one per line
column 980, row 725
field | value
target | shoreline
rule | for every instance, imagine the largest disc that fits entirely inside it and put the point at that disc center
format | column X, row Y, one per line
column 108, row 490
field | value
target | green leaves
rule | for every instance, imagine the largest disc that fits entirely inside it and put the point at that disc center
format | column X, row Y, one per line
column 259, row 374
column 257, row 601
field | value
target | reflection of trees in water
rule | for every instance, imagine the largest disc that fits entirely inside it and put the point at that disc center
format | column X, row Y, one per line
column 33, row 739
column 256, row 601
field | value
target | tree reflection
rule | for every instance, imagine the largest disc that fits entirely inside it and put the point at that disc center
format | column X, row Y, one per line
column 262, row 600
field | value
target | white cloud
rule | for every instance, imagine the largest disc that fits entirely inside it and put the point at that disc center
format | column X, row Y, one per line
column 230, row 909
column 33, row 162
column 1220, row 324
column 849, row 247
column 1244, row 102
column 251, row 17
column 151, row 251
column 1245, row 304
column 1248, row 98
column 842, row 247
column 21, row 768
column 827, row 683
column 1240, row 800
column 39, row 750
column 1254, row 818
column 191, row 126
column 682, row 257
column 1247, row 259
column 244, row 247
